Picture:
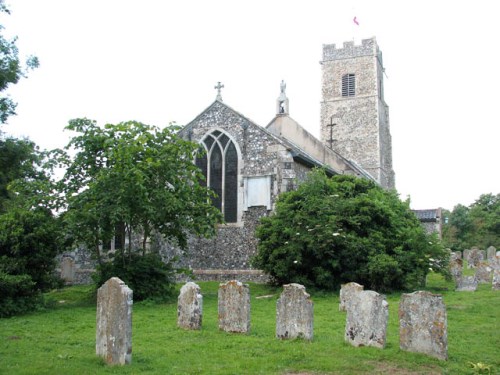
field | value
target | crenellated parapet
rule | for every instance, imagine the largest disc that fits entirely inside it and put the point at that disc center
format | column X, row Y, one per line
column 368, row 47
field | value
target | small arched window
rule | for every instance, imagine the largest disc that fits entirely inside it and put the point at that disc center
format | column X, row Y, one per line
column 219, row 165
column 348, row 85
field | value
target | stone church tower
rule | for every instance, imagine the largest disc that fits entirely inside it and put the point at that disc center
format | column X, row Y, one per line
column 354, row 115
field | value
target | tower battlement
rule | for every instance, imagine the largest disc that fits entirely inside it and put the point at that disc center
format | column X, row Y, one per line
column 368, row 47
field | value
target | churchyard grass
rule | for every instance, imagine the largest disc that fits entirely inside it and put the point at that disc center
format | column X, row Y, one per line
column 61, row 339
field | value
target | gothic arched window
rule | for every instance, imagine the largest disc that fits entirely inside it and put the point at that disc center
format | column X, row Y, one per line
column 348, row 85
column 219, row 165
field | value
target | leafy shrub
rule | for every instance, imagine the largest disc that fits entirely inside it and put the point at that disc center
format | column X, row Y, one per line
column 341, row 229
column 147, row 275
column 19, row 294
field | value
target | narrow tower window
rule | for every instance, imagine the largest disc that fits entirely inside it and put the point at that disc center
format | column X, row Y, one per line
column 219, row 165
column 348, row 85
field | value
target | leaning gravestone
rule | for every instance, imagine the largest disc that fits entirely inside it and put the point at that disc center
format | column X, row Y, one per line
column 423, row 324
column 114, row 322
column 466, row 284
column 190, row 307
column 366, row 321
column 483, row 273
column 234, row 307
column 346, row 293
column 495, row 285
column 456, row 267
column 294, row 313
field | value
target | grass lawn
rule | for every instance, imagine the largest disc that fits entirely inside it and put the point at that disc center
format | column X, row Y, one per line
column 61, row 340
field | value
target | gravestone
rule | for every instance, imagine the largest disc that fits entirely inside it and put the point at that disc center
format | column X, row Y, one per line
column 475, row 257
column 466, row 284
column 456, row 267
column 423, row 324
column 495, row 285
column 114, row 322
column 234, row 307
column 495, row 262
column 346, row 293
column 458, row 254
column 466, row 255
column 294, row 313
column 491, row 252
column 68, row 270
column 190, row 307
column 483, row 273
column 366, row 321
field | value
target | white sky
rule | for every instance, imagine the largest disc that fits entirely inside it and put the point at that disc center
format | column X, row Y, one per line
column 158, row 61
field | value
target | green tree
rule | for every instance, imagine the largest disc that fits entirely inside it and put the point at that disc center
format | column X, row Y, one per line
column 11, row 69
column 136, row 177
column 341, row 229
column 476, row 225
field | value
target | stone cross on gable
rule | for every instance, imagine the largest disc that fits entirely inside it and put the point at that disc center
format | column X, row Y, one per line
column 219, row 87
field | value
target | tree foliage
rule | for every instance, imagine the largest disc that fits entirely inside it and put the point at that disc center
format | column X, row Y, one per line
column 476, row 225
column 11, row 69
column 341, row 229
column 136, row 177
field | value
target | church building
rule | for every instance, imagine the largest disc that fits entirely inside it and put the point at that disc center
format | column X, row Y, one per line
column 249, row 165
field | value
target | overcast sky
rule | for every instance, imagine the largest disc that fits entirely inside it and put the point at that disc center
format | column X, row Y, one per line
column 158, row 62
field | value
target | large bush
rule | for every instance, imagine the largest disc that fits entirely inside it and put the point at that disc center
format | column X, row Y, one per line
column 341, row 229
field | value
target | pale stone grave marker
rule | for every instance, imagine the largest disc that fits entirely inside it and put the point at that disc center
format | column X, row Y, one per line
column 294, row 313
column 483, row 273
column 68, row 269
column 190, row 307
column 346, row 293
column 423, row 324
column 366, row 321
column 466, row 284
column 475, row 257
column 491, row 252
column 456, row 267
column 234, row 307
column 495, row 285
column 114, row 322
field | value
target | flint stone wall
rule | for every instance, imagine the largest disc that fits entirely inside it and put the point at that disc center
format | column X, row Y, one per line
column 190, row 307
column 234, row 307
column 114, row 322
column 366, row 322
column 294, row 313
column 423, row 324
column 346, row 293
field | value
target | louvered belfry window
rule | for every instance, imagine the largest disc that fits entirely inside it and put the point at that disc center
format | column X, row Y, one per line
column 219, row 165
column 348, row 85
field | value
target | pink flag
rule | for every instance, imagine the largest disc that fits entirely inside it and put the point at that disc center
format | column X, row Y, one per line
column 355, row 21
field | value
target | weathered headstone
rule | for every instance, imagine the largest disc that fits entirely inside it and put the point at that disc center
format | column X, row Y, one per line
column 483, row 273
column 458, row 254
column 234, row 307
column 294, row 313
column 491, row 252
column 495, row 285
column 495, row 262
column 475, row 257
column 114, row 322
column 68, row 269
column 346, row 293
column 366, row 321
column 190, row 307
column 423, row 324
column 456, row 268
column 466, row 284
